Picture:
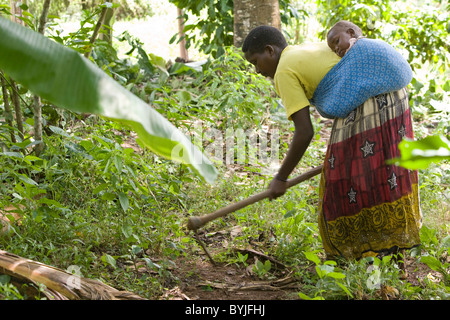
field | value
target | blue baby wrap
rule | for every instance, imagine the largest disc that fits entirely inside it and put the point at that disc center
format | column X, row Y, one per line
column 371, row 67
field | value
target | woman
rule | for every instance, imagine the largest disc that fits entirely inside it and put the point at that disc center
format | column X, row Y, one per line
column 366, row 206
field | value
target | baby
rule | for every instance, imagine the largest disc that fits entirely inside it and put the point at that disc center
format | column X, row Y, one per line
column 342, row 36
column 372, row 67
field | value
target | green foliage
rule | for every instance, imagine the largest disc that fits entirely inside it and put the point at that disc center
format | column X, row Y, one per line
column 425, row 41
column 297, row 232
column 97, row 200
column 80, row 39
column 231, row 88
column 213, row 29
column 368, row 15
column 90, row 90
column 8, row 291
column 262, row 269
column 330, row 279
column 426, row 46
column 419, row 154
column 108, row 202
column 437, row 253
column 214, row 32
column 125, row 9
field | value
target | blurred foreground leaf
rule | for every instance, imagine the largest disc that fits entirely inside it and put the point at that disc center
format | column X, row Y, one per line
column 421, row 153
column 67, row 79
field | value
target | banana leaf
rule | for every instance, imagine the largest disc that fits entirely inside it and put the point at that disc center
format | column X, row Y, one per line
column 419, row 154
column 68, row 80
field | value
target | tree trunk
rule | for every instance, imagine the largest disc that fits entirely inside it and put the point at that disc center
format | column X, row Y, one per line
column 249, row 14
column 84, row 5
column 8, row 112
column 108, row 22
column 18, row 111
column 183, row 51
column 97, row 28
column 15, row 11
column 37, row 108
column 43, row 17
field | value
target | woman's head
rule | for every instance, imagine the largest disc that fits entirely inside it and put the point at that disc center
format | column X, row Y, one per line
column 338, row 37
column 262, row 47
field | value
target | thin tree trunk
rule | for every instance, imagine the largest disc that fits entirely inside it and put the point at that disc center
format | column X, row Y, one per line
column 8, row 112
column 84, row 4
column 183, row 51
column 108, row 21
column 15, row 11
column 37, row 108
column 14, row 91
column 96, row 30
column 43, row 17
column 18, row 111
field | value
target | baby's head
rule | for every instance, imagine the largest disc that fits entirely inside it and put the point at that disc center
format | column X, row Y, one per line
column 262, row 48
column 338, row 37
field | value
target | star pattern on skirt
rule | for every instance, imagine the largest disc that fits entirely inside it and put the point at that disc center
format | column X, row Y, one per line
column 351, row 117
column 381, row 100
column 352, row 195
column 392, row 180
column 367, row 148
column 331, row 161
column 402, row 131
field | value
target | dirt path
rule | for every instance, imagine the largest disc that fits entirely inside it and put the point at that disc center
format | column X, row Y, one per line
column 203, row 279
column 200, row 280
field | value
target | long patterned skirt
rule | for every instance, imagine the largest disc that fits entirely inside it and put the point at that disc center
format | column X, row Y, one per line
column 367, row 206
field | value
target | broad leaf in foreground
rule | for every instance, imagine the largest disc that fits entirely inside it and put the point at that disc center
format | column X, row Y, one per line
column 421, row 153
column 67, row 79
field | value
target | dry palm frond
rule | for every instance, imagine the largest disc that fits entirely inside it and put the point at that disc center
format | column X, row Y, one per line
column 60, row 284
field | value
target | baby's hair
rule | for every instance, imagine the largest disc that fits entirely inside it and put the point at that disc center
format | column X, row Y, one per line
column 261, row 36
column 348, row 24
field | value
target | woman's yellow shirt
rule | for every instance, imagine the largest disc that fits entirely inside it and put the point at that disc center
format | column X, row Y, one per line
column 299, row 72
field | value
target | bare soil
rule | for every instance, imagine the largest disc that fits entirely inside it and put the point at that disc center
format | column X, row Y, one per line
column 203, row 279
column 200, row 279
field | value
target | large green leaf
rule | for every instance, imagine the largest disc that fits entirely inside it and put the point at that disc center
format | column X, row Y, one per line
column 67, row 79
column 421, row 153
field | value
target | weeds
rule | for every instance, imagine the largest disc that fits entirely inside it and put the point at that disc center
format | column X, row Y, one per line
column 96, row 201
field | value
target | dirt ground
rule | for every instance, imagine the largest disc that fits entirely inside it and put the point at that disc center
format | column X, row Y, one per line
column 203, row 279
column 224, row 282
column 200, row 279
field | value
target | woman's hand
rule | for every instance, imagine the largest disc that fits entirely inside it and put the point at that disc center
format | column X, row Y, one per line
column 277, row 188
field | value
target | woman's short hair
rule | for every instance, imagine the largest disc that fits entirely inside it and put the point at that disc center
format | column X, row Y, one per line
column 261, row 36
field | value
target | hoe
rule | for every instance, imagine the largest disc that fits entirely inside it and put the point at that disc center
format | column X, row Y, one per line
column 195, row 222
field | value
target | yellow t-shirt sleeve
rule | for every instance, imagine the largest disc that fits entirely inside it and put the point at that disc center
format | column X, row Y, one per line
column 291, row 92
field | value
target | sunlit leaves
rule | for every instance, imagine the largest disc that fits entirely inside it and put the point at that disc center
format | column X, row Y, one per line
column 65, row 78
column 421, row 153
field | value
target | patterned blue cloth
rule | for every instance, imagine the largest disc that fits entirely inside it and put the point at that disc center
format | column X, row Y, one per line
column 371, row 67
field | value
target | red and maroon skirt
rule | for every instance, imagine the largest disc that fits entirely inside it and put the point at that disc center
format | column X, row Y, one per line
column 367, row 206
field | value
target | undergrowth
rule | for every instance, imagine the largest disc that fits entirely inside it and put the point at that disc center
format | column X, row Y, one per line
column 112, row 210
column 97, row 201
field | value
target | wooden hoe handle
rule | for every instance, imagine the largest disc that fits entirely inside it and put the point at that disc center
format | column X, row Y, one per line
column 196, row 222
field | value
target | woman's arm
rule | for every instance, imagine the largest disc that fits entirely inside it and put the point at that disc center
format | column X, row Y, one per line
column 303, row 135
